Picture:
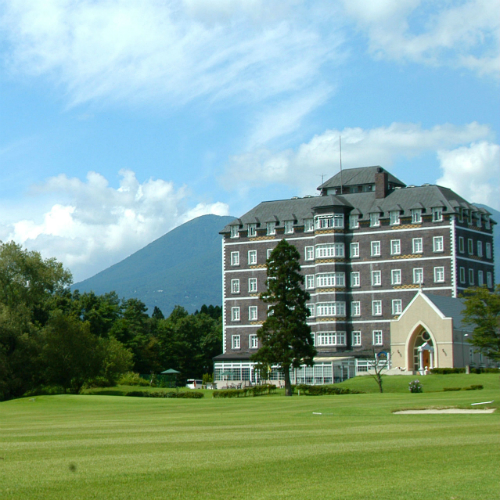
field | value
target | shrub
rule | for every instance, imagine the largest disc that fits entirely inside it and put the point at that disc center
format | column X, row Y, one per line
column 446, row 389
column 446, row 371
column 257, row 390
column 476, row 387
column 166, row 394
column 415, row 386
column 131, row 378
column 324, row 390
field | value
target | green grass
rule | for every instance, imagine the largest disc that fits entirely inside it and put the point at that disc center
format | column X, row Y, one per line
column 271, row 447
column 430, row 383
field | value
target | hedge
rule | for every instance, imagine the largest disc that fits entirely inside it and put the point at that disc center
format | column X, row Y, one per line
column 321, row 390
column 165, row 394
column 257, row 390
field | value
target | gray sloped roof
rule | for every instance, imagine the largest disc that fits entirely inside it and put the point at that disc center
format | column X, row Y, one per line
column 451, row 308
column 358, row 177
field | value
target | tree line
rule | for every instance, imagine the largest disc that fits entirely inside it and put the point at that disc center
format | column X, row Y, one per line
column 52, row 336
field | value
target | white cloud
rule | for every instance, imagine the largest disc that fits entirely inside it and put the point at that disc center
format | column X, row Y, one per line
column 175, row 51
column 89, row 225
column 461, row 34
column 474, row 172
column 302, row 168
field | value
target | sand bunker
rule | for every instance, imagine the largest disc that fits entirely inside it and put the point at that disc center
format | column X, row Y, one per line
column 446, row 410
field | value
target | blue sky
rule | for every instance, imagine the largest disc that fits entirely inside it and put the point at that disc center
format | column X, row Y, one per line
column 120, row 120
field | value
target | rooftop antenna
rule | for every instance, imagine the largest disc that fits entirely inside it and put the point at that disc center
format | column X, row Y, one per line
column 340, row 161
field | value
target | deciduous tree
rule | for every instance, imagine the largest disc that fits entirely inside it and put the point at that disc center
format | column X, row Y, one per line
column 482, row 311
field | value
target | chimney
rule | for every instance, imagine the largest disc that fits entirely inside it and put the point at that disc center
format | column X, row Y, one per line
column 381, row 183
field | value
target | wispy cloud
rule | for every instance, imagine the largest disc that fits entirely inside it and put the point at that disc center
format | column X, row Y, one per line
column 460, row 34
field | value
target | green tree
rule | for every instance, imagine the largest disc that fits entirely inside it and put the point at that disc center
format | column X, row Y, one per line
column 482, row 311
column 285, row 335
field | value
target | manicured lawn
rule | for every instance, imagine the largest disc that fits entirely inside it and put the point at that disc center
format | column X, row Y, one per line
column 272, row 447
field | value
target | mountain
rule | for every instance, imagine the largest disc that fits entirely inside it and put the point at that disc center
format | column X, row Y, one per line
column 495, row 215
column 183, row 267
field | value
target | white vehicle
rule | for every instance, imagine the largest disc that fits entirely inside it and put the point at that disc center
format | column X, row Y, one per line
column 193, row 383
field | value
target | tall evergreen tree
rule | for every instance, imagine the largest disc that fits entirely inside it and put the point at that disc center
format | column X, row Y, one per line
column 285, row 335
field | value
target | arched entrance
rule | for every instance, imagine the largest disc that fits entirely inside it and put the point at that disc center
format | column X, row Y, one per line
column 422, row 352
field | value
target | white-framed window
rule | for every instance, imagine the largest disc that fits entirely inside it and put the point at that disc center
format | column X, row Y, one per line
column 330, row 279
column 397, row 306
column 396, row 277
column 235, row 258
column 354, row 250
column 326, row 221
column 478, row 220
column 330, row 338
column 471, row 276
column 235, row 231
column 252, row 229
column 288, row 226
column 488, row 250
column 470, row 246
column 330, row 308
column 489, row 280
column 309, row 253
column 438, row 244
column 376, row 278
column 417, row 245
column 395, row 247
column 308, row 225
column 355, row 279
column 480, row 278
column 311, row 310
column 353, row 221
column 462, row 275
column 416, row 215
column 479, row 248
column 374, row 219
column 394, row 217
column 378, row 337
column 437, row 214
column 377, row 307
column 235, row 341
column 356, row 308
column 271, row 227
column 252, row 257
column 252, row 313
column 329, row 250
column 253, row 341
column 269, row 251
column 235, row 286
column 235, row 314
column 487, row 223
column 252, row 285
column 309, row 281
column 461, row 244
column 375, row 248
column 439, row 275
column 460, row 215
column 418, row 275
column 356, row 338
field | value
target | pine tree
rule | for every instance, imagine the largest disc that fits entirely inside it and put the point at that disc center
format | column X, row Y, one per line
column 285, row 336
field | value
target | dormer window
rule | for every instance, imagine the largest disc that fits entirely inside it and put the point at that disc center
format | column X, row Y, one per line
column 308, row 225
column 252, row 229
column 487, row 223
column 394, row 217
column 374, row 219
column 437, row 214
column 326, row 221
column 354, row 221
column 271, row 228
column 235, row 231
column 416, row 215
column 288, row 226
column 478, row 222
